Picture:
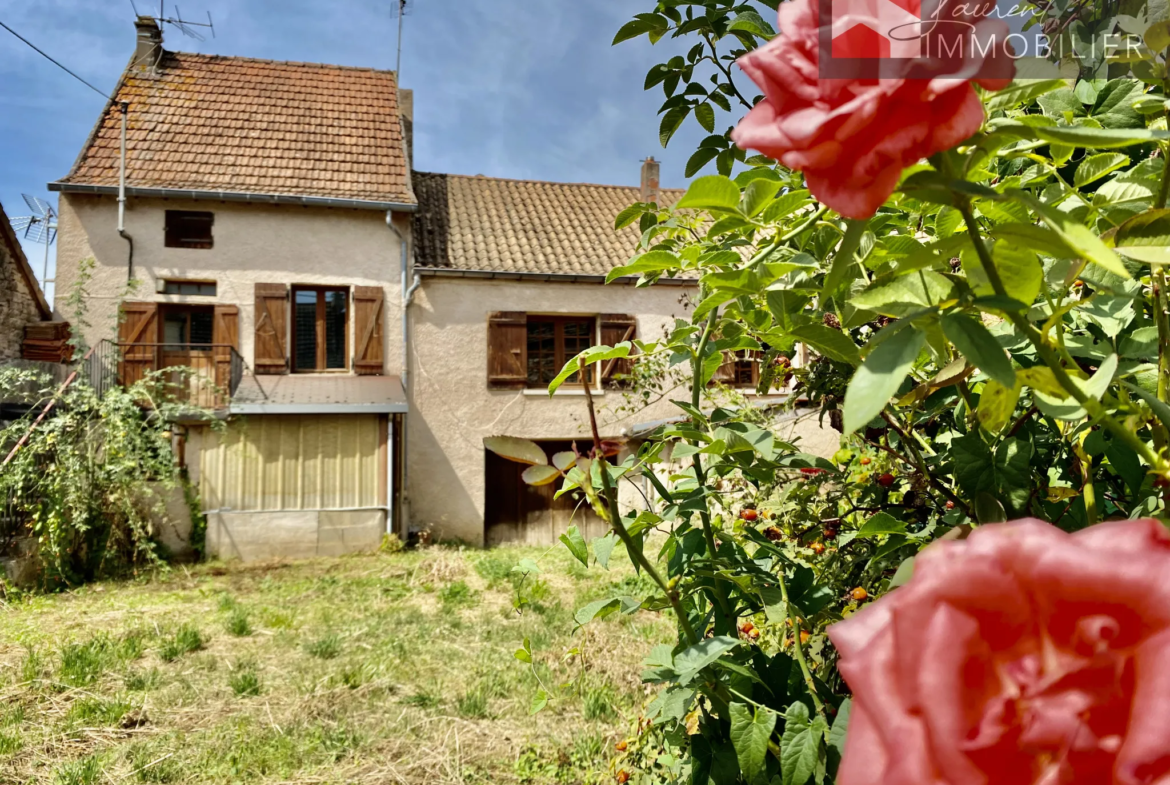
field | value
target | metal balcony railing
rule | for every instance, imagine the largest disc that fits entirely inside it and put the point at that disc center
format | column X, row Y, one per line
column 203, row 375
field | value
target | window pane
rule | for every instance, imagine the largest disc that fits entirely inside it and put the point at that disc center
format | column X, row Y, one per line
column 542, row 352
column 335, row 310
column 578, row 338
column 201, row 327
column 175, row 328
column 305, row 328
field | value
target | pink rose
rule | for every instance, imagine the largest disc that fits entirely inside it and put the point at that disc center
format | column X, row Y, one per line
column 853, row 137
column 1021, row 655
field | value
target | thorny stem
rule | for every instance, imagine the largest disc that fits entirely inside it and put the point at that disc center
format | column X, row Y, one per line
column 1090, row 405
column 798, row 646
column 726, row 71
column 620, row 528
column 700, row 476
column 920, row 464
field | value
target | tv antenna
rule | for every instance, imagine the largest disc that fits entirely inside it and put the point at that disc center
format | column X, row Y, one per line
column 402, row 11
column 184, row 26
column 40, row 227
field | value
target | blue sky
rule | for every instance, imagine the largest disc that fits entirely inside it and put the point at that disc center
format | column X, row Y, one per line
column 507, row 88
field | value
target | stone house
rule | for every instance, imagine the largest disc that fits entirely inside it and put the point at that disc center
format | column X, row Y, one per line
column 367, row 325
column 21, row 300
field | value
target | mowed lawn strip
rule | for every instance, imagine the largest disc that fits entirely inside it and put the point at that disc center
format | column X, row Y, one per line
column 387, row 668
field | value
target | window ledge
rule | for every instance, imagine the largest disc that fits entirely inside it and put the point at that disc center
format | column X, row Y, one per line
column 542, row 392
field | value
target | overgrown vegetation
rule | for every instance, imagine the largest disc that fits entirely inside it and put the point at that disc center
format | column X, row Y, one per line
column 367, row 669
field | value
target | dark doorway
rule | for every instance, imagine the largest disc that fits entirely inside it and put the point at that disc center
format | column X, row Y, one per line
column 517, row 512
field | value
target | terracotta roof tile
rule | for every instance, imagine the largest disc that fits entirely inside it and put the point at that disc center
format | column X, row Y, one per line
column 487, row 223
column 206, row 122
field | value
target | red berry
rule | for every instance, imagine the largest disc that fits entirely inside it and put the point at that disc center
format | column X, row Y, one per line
column 623, row 777
column 748, row 514
column 950, row 505
column 886, row 480
column 620, row 746
column 829, row 533
column 818, row 548
column 866, row 460
column 859, row 594
column 1161, row 482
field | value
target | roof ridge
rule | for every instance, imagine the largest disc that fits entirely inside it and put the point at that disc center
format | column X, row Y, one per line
column 537, row 182
column 269, row 61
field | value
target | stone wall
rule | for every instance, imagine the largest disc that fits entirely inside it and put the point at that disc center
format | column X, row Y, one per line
column 18, row 298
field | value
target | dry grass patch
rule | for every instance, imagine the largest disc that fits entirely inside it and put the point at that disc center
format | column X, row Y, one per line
column 389, row 668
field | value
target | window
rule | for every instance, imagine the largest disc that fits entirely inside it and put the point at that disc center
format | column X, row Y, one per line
column 553, row 341
column 188, row 327
column 188, row 229
column 200, row 288
column 320, row 329
column 746, row 369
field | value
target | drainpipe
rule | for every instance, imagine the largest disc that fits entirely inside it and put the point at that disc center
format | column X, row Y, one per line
column 124, row 108
column 407, row 297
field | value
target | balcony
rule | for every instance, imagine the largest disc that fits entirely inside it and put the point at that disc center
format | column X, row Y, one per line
column 199, row 375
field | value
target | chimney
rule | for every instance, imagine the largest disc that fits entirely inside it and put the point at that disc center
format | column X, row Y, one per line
column 149, row 51
column 406, row 112
column 650, row 180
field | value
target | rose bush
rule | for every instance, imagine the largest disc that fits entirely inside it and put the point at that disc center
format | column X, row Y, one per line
column 852, row 138
column 1021, row 655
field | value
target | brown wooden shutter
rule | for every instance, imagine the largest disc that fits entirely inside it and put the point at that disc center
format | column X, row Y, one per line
column 615, row 328
column 225, row 336
column 270, row 354
column 138, row 341
column 367, row 319
column 508, row 350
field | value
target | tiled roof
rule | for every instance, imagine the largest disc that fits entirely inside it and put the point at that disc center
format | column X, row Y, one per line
column 210, row 123
column 525, row 226
column 12, row 253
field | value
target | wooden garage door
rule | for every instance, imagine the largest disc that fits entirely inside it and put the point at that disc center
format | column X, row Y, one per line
column 517, row 512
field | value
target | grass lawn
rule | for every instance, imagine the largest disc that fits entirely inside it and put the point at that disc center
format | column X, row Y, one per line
column 388, row 668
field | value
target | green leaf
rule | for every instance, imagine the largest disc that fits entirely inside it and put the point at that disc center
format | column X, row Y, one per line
column 1041, row 379
column 635, row 28
column 598, row 609
column 800, row 746
column 978, row 345
column 750, row 731
column 1146, row 237
column 564, row 460
column 1157, row 36
column 1037, row 238
column 713, row 192
column 701, row 157
column 603, row 547
column 996, row 405
column 880, row 376
column 691, row 660
column 627, row 216
column 705, row 114
column 1097, row 166
column 1099, row 138
column 594, row 354
column 576, row 544
column 882, row 523
column 1160, row 409
column 524, row 654
column 833, row 344
column 843, row 260
column 540, row 475
column 518, row 450
column 836, row 739
column 650, row 262
column 1004, row 473
column 1021, row 92
column 749, row 21
column 671, row 121
column 757, row 196
column 1076, row 236
column 539, row 701
column 906, row 293
column 785, row 205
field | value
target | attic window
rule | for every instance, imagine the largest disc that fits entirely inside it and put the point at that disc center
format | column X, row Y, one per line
column 189, row 229
column 199, row 288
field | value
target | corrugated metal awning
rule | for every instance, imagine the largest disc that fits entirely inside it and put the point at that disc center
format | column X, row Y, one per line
column 319, row 394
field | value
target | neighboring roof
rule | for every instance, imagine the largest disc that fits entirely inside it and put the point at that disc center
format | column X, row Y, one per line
column 10, row 247
column 523, row 226
column 207, row 123
column 319, row 394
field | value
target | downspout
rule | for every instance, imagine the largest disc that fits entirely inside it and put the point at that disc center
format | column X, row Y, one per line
column 407, row 298
column 124, row 108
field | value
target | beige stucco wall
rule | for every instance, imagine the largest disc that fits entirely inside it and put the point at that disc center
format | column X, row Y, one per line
column 452, row 410
column 254, row 243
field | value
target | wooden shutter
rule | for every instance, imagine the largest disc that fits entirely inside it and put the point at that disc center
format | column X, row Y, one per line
column 271, row 333
column 368, row 316
column 225, row 336
column 507, row 353
column 138, row 341
column 615, row 328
